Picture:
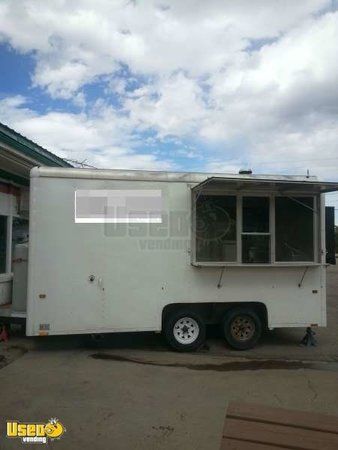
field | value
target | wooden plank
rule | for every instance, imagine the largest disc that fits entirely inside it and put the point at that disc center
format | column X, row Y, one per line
column 279, row 435
column 234, row 444
column 292, row 418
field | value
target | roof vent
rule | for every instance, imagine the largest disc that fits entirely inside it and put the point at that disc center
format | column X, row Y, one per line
column 245, row 172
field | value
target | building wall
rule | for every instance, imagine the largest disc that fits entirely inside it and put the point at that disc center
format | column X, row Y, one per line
column 9, row 208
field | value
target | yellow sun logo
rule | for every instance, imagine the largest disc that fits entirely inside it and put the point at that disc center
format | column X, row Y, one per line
column 54, row 429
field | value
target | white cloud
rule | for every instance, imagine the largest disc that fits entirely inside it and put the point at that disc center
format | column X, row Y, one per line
column 172, row 106
column 76, row 41
column 257, row 79
column 220, row 166
column 101, row 139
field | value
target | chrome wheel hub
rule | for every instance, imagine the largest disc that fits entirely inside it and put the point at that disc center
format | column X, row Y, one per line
column 186, row 330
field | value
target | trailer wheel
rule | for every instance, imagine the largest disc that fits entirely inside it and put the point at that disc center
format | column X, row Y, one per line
column 242, row 328
column 184, row 330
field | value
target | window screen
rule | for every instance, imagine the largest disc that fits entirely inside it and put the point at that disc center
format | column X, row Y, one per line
column 294, row 229
column 3, row 243
column 255, row 248
column 255, row 214
column 256, row 230
column 216, row 228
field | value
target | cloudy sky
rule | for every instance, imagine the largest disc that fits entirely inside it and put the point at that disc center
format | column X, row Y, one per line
column 175, row 85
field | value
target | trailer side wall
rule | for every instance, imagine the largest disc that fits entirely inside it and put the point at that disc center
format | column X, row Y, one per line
column 97, row 277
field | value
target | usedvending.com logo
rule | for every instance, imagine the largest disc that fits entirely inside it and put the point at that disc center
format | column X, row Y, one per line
column 35, row 432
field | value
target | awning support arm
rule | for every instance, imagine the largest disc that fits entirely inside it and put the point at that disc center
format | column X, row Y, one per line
column 303, row 276
column 219, row 285
column 303, row 204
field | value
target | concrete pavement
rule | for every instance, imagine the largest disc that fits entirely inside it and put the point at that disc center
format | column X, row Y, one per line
column 126, row 405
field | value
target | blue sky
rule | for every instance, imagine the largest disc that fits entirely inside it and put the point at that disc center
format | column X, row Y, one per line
column 172, row 86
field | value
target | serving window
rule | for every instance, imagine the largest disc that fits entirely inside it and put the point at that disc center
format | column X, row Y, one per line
column 294, row 229
column 216, row 222
column 254, row 229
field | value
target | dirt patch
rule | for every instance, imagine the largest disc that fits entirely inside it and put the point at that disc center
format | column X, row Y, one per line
column 264, row 364
column 3, row 361
column 9, row 353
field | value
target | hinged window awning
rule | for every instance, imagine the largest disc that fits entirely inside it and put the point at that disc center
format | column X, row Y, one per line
column 269, row 185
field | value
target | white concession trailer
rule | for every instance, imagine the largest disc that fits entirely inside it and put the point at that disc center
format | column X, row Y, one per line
column 119, row 251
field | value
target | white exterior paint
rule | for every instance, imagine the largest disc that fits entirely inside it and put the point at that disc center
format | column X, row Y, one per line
column 137, row 274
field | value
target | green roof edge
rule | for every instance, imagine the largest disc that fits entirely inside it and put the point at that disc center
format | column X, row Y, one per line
column 30, row 148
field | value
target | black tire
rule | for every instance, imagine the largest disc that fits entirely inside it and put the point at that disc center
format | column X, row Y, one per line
column 172, row 319
column 242, row 328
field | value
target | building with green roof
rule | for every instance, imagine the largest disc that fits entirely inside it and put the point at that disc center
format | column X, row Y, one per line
column 18, row 155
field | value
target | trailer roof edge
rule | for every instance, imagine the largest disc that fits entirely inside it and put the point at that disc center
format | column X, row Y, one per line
column 141, row 175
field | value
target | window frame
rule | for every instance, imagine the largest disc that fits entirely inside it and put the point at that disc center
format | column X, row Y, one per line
column 317, row 238
column 315, row 232
column 193, row 228
column 245, row 233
